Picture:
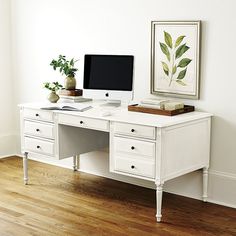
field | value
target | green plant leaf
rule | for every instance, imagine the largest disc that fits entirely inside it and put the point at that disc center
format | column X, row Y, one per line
column 181, row 82
column 174, row 70
column 181, row 50
column 165, row 50
column 179, row 40
column 184, row 62
column 181, row 74
column 65, row 67
column 72, row 62
column 168, row 39
column 165, row 68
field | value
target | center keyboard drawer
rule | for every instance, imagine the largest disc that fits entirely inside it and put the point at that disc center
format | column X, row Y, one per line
column 140, row 131
column 83, row 122
column 134, row 147
column 39, row 146
column 39, row 129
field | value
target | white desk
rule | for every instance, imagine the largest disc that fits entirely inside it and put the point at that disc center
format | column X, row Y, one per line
column 151, row 147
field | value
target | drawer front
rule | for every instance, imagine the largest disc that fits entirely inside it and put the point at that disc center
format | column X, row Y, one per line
column 39, row 146
column 134, row 130
column 39, row 129
column 135, row 167
column 134, row 147
column 37, row 114
column 85, row 122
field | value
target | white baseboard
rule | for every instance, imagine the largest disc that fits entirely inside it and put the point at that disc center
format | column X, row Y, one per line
column 8, row 155
column 7, row 145
column 222, row 186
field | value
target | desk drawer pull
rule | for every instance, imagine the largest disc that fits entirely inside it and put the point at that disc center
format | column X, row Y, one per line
column 38, row 114
column 134, row 166
column 134, row 130
column 132, row 147
column 81, row 122
column 37, row 130
column 38, row 146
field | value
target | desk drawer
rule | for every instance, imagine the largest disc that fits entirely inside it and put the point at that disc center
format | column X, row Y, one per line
column 135, row 167
column 37, row 114
column 39, row 146
column 39, row 129
column 83, row 122
column 141, row 131
column 134, row 147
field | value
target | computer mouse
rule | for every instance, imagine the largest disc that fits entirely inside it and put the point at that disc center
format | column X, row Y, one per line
column 106, row 113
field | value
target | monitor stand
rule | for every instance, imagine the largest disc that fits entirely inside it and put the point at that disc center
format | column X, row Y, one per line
column 111, row 103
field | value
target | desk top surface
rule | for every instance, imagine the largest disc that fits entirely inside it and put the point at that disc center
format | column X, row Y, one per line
column 121, row 114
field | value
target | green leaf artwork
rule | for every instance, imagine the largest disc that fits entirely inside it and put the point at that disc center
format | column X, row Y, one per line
column 181, row 50
column 165, row 68
column 175, row 68
column 165, row 50
column 181, row 74
column 168, row 39
column 184, row 62
column 179, row 40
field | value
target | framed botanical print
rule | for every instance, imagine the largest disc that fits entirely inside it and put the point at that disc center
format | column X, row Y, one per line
column 175, row 48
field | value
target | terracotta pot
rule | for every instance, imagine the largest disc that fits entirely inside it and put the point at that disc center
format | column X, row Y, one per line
column 53, row 97
column 70, row 83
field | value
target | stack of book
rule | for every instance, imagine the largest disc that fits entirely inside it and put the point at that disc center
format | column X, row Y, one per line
column 71, row 92
column 161, row 104
column 72, row 96
column 73, row 99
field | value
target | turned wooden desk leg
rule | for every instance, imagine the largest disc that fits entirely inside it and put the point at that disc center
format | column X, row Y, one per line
column 75, row 162
column 159, row 191
column 25, row 167
column 205, row 183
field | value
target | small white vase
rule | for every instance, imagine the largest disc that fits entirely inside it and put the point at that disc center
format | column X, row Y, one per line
column 53, row 97
column 70, row 83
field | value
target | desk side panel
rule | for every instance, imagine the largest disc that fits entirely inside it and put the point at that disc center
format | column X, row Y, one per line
column 185, row 148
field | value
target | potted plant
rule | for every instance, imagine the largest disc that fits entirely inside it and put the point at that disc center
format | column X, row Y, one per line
column 66, row 67
column 53, row 87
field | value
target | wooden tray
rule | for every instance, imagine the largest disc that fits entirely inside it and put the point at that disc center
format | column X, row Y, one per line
column 187, row 108
column 72, row 92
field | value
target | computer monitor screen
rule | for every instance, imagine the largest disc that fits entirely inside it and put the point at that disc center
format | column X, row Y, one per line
column 108, row 72
column 108, row 77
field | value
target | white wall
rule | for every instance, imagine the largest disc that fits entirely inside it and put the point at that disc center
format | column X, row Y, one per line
column 7, row 132
column 42, row 29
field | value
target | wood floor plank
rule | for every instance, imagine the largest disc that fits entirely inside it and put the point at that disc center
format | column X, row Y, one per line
column 62, row 202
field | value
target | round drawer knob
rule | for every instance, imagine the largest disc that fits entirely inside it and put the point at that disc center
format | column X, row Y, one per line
column 132, row 130
column 132, row 147
column 132, row 167
column 38, row 147
column 37, row 130
column 81, row 122
column 37, row 114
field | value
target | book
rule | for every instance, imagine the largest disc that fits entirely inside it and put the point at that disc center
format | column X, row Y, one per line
column 150, row 106
column 74, row 99
column 154, row 101
column 171, row 106
column 73, row 92
column 66, row 107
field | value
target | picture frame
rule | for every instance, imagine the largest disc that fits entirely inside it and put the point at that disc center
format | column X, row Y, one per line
column 175, row 58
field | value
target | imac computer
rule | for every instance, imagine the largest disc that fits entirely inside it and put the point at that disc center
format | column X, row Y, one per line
column 108, row 77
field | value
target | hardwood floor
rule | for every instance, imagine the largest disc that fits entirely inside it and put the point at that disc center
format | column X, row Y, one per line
column 61, row 202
